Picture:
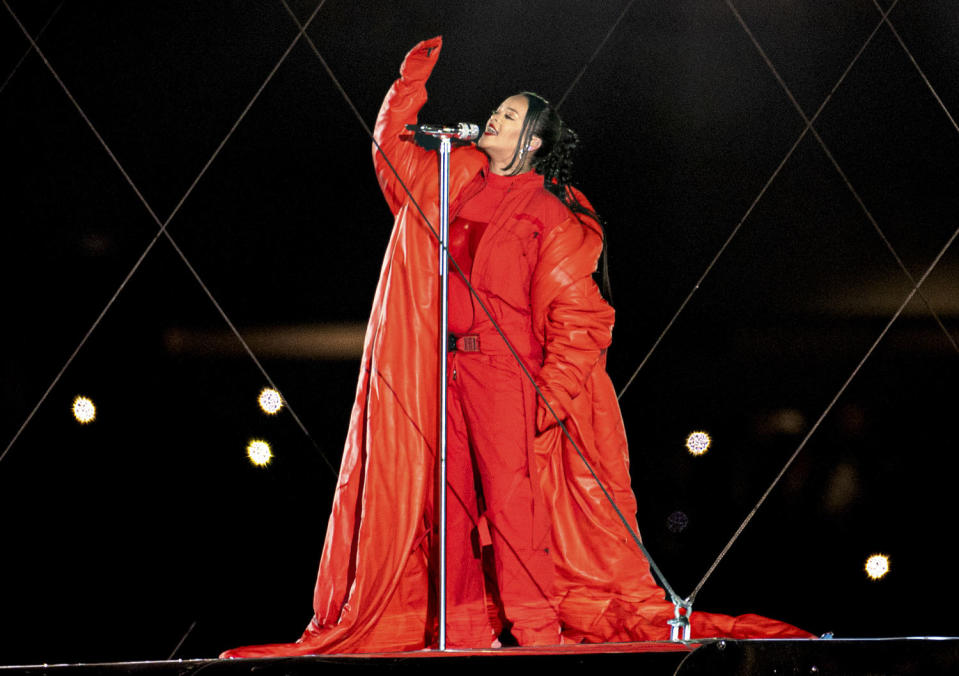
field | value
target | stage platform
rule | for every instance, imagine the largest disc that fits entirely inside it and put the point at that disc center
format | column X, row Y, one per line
column 849, row 657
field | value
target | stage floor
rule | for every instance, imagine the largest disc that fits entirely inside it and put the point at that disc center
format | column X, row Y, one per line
column 872, row 656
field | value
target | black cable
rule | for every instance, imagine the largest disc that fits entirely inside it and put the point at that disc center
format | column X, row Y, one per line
column 835, row 164
column 749, row 211
column 892, row 29
column 915, row 284
column 822, row 416
column 473, row 292
column 162, row 231
column 29, row 48
column 595, row 54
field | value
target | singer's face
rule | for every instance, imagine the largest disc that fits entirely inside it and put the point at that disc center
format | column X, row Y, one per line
column 501, row 135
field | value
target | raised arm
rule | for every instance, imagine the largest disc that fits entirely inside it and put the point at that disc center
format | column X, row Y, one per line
column 395, row 156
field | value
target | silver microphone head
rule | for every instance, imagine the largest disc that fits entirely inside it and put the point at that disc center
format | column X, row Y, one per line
column 467, row 131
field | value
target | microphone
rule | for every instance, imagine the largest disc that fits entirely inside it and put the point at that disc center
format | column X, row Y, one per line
column 464, row 131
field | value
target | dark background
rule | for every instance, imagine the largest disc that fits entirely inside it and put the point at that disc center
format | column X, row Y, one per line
column 120, row 536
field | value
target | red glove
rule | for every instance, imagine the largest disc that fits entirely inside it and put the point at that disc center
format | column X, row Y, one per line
column 420, row 60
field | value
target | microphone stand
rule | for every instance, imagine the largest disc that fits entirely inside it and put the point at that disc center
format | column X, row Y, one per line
column 464, row 132
column 445, row 146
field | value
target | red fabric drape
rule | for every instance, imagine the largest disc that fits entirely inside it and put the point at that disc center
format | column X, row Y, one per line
column 372, row 589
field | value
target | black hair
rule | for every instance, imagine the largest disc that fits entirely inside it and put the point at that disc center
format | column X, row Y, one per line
column 554, row 161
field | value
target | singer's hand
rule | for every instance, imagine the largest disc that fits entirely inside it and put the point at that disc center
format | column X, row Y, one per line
column 420, row 60
column 544, row 417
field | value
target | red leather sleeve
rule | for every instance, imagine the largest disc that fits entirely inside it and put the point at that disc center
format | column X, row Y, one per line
column 579, row 323
column 395, row 157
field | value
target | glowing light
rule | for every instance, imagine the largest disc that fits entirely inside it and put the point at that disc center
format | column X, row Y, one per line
column 259, row 452
column 698, row 443
column 877, row 566
column 270, row 401
column 84, row 410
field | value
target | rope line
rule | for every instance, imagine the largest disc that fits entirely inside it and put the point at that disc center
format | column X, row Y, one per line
column 162, row 231
column 595, row 53
column 922, row 74
column 182, row 641
column 136, row 265
column 822, row 416
column 359, row 117
column 749, row 211
column 839, row 170
column 809, row 127
column 915, row 290
column 635, row 536
column 29, row 48
column 712, row 263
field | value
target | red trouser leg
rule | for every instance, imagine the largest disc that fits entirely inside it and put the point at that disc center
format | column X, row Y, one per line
column 467, row 622
column 487, row 395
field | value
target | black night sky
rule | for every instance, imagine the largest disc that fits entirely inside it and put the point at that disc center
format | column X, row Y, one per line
column 122, row 537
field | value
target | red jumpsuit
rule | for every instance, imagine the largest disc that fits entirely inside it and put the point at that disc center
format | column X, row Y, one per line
column 491, row 415
column 533, row 269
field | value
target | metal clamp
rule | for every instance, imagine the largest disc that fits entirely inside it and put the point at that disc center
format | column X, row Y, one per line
column 683, row 609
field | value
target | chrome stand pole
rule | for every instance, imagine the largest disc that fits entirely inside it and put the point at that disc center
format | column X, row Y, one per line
column 444, row 349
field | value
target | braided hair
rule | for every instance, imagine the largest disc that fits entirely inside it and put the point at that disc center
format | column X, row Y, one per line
column 554, row 161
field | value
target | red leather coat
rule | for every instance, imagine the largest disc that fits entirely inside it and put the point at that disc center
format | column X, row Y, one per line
column 373, row 583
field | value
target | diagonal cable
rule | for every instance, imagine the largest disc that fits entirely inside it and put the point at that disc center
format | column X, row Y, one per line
column 182, row 641
column 749, row 210
column 635, row 536
column 915, row 291
column 595, row 54
column 912, row 59
column 162, row 229
column 29, row 48
column 839, row 170
column 829, row 407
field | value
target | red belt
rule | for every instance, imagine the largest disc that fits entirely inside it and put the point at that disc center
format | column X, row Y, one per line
column 470, row 343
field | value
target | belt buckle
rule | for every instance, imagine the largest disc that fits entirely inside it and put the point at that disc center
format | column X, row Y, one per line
column 469, row 343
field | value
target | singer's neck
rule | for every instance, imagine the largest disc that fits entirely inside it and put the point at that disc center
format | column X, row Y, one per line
column 503, row 161
column 506, row 170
